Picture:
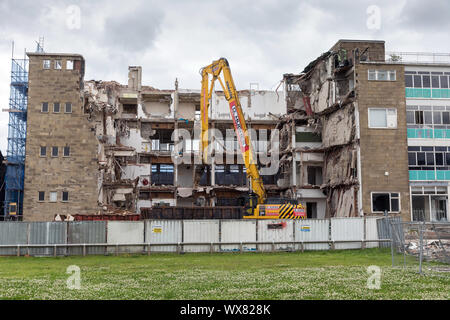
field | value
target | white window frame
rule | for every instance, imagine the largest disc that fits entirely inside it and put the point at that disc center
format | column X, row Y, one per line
column 56, row 196
column 390, row 201
column 40, row 152
column 69, row 64
column 58, row 64
column 377, row 71
column 65, row 107
column 46, row 64
column 387, row 110
column 57, row 152
column 42, row 107
column 59, row 110
column 64, row 149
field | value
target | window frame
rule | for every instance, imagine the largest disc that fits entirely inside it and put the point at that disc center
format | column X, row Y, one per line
column 65, row 107
column 67, row 64
column 62, row 196
column 45, row 66
column 40, row 152
column 59, row 107
column 50, row 196
column 375, row 72
column 39, row 196
column 57, row 152
column 42, row 107
column 64, row 152
column 390, row 201
column 386, row 109
column 58, row 62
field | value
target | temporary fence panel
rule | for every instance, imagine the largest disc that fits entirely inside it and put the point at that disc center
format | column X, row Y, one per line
column 125, row 232
column 48, row 233
column 13, row 233
column 347, row 229
column 200, row 231
column 384, row 229
column 163, row 231
column 86, row 232
column 238, row 231
column 371, row 232
column 275, row 231
column 312, row 230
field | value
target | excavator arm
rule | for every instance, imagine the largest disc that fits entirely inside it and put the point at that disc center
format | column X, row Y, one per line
column 240, row 127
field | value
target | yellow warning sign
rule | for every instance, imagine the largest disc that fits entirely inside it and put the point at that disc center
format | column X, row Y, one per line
column 157, row 229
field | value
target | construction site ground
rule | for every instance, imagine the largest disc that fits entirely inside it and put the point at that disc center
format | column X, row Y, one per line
column 290, row 275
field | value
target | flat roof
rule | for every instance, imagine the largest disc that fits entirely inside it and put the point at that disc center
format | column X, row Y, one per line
column 46, row 54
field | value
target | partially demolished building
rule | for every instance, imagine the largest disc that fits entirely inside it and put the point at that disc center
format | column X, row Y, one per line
column 98, row 147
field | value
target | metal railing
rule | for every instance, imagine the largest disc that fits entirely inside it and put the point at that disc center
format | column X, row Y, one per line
column 179, row 246
column 417, row 57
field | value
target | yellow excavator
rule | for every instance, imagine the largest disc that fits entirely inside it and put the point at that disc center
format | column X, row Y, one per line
column 257, row 205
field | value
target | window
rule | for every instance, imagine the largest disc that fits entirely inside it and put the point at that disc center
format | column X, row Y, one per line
column 426, row 79
column 382, row 118
column 69, row 65
column 56, row 107
column 43, row 151
column 66, row 151
column 54, row 151
column 418, row 116
column 46, row 64
column 382, row 75
column 68, row 108
column 44, row 107
column 65, row 196
column 41, row 196
column 58, row 64
column 53, row 196
column 382, row 202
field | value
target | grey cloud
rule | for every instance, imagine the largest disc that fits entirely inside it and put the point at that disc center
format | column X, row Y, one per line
column 426, row 15
column 135, row 30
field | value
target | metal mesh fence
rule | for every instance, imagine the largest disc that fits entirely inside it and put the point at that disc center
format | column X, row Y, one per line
column 421, row 246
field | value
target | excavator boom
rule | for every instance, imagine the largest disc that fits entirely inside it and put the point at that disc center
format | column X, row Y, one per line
column 215, row 69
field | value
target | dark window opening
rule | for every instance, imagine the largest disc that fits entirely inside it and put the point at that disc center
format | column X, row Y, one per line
column 231, row 175
column 43, row 151
column 44, row 107
column 66, row 151
column 56, row 107
column 41, row 195
column 65, row 196
column 311, row 210
column 130, row 108
column 162, row 174
column 54, row 151
column 314, row 175
column 162, row 140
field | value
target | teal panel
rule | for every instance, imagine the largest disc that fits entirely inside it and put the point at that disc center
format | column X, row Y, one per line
column 430, row 175
column 439, row 133
column 421, row 175
column 413, row 175
column 436, row 93
column 411, row 133
column 409, row 92
column 447, row 175
column 440, row 175
column 426, row 93
column 445, row 93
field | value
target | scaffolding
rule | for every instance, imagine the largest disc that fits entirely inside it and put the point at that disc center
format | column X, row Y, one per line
column 17, row 130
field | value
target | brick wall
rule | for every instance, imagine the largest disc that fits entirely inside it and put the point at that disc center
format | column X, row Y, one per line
column 77, row 173
column 383, row 150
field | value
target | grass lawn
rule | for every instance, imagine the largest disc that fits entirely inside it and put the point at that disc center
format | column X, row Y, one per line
column 308, row 275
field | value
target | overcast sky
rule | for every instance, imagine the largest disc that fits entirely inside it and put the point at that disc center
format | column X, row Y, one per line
column 171, row 39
